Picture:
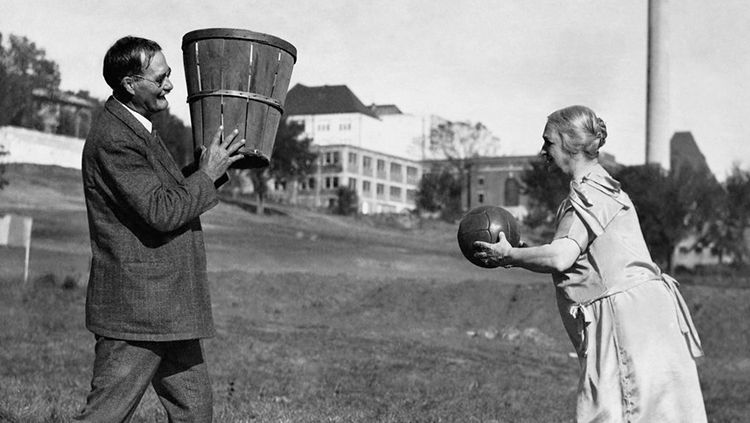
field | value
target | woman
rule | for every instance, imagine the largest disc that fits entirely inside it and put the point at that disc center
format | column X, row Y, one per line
column 633, row 333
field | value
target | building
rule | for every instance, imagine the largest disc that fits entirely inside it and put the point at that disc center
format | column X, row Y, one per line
column 62, row 112
column 494, row 181
column 382, row 153
column 376, row 150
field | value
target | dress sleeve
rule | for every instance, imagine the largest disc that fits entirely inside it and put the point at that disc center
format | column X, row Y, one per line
column 571, row 226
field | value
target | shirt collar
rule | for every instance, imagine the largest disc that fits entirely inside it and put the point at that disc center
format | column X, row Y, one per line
column 142, row 119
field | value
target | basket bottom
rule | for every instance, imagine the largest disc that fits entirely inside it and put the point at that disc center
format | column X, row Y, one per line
column 251, row 160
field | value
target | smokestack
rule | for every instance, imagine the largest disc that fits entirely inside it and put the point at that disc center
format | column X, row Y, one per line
column 658, row 132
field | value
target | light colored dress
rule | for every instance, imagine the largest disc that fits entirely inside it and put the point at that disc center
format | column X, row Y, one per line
column 633, row 333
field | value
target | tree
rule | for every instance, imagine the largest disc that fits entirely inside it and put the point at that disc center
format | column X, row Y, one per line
column 459, row 142
column 661, row 214
column 3, row 181
column 291, row 160
column 671, row 205
column 546, row 187
column 347, row 203
column 259, row 178
column 726, row 234
column 440, row 192
column 23, row 67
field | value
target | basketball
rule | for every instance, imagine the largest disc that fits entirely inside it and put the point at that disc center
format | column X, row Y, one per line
column 485, row 223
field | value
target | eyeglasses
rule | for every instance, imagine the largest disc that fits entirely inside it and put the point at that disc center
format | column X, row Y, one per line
column 158, row 81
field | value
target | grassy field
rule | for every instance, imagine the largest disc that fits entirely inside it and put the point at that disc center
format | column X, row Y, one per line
column 328, row 319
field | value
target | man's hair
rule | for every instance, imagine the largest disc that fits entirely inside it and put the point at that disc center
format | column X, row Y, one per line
column 127, row 56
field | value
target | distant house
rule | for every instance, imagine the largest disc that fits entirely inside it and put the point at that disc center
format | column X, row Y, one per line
column 63, row 113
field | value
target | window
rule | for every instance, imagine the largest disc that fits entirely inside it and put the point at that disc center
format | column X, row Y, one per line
column 411, row 175
column 380, row 189
column 395, row 193
column 353, row 183
column 323, row 126
column 332, row 182
column 480, row 198
column 366, row 186
column 345, row 126
column 411, row 195
column 311, row 183
column 381, row 169
column 396, row 172
column 352, row 158
column 331, row 157
column 367, row 165
column 480, row 180
column 512, row 192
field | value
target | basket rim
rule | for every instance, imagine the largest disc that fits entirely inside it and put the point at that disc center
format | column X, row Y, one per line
column 240, row 34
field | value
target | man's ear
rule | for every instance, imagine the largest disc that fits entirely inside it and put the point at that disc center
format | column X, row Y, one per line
column 127, row 85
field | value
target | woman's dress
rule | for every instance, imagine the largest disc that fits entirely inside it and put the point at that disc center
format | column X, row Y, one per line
column 630, row 326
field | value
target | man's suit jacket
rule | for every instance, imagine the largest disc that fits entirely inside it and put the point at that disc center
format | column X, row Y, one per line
column 148, row 268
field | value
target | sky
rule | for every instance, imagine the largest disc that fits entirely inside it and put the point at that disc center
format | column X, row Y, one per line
column 504, row 63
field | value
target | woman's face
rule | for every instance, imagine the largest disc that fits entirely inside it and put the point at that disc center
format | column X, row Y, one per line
column 552, row 150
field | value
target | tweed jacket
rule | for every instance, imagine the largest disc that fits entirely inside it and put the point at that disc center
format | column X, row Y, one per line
column 148, row 268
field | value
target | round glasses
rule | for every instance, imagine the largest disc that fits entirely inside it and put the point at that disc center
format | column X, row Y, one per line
column 158, row 81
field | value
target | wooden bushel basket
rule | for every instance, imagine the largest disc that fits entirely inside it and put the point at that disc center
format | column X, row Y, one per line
column 238, row 79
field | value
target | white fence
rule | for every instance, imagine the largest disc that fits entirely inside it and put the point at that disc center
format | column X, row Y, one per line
column 29, row 146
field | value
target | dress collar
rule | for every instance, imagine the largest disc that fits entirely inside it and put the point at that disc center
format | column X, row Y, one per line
column 598, row 178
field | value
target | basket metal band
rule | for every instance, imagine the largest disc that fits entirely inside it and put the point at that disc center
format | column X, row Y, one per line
column 232, row 93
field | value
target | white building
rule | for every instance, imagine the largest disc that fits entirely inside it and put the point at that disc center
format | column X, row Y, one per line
column 375, row 150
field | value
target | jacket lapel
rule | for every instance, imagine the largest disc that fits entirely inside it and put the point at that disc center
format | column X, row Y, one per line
column 151, row 139
column 165, row 157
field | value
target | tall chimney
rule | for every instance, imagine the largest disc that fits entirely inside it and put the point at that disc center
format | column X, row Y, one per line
column 658, row 132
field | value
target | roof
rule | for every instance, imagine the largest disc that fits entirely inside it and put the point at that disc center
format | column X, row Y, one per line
column 62, row 97
column 385, row 109
column 324, row 100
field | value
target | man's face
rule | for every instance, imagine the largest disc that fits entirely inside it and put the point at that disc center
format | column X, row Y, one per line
column 151, row 87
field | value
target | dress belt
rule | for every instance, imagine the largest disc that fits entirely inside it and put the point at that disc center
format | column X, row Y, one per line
column 581, row 311
column 683, row 317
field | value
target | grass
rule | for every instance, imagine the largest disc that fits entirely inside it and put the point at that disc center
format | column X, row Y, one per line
column 324, row 319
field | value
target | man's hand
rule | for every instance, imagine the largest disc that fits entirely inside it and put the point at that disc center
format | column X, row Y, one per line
column 216, row 159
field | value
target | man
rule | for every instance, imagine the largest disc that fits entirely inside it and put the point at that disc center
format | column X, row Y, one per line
column 148, row 301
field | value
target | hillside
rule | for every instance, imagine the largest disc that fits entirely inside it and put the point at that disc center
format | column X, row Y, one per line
column 324, row 318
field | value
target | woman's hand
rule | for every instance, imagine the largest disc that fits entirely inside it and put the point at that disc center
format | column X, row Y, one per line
column 494, row 254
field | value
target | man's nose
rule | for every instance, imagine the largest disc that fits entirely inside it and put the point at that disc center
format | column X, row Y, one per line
column 168, row 85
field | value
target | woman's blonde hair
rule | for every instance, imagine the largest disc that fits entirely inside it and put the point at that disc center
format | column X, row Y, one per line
column 580, row 129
